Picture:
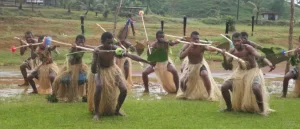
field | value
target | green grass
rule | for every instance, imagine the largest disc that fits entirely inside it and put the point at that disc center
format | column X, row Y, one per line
column 34, row 112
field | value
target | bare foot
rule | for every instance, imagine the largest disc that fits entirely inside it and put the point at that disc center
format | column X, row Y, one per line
column 226, row 110
column 282, row 96
column 96, row 117
column 24, row 84
column 120, row 114
column 146, row 91
column 263, row 114
column 33, row 92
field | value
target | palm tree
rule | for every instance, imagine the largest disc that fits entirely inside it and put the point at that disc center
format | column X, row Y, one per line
column 69, row 4
column 90, row 5
column 257, row 8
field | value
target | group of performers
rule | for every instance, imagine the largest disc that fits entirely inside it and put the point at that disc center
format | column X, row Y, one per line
column 104, row 85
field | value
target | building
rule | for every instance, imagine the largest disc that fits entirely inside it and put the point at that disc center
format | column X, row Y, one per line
column 269, row 16
column 35, row 1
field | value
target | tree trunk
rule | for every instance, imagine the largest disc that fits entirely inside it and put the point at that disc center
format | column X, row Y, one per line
column 69, row 9
column 20, row 6
column 31, row 5
column 287, row 67
column 256, row 21
column 147, row 10
column 116, row 14
column 238, row 9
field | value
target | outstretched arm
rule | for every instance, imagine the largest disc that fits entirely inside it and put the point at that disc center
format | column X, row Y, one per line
column 172, row 43
column 255, row 45
column 227, row 60
column 136, row 58
column 257, row 55
column 185, row 51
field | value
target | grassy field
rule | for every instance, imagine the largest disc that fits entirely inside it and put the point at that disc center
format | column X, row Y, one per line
column 66, row 31
column 34, row 112
column 26, row 111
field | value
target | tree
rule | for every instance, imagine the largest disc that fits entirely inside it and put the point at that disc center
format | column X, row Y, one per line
column 90, row 5
column 287, row 68
column 278, row 6
column 21, row 3
column 116, row 14
column 257, row 8
column 68, row 4
column 32, row 6
column 238, row 10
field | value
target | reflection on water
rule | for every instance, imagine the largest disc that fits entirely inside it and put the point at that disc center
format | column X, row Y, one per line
column 155, row 91
column 10, row 79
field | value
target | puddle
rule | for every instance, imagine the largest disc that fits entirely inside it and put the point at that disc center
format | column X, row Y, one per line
column 10, row 79
column 155, row 91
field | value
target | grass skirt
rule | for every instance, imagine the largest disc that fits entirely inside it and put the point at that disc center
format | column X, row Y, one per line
column 164, row 76
column 44, row 82
column 195, row 88
column 110, row 78
column 72, row 91
column 120, row 62
column 243, row 98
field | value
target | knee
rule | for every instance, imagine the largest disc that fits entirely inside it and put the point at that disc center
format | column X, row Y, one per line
column 287, row 78
column 22, row 66
column 224, row 88
column 256, row 88
column 124, row 91
column 145, row 74
column 98, row 88
column 204, row 74
column 52, row 77
column 30, row 77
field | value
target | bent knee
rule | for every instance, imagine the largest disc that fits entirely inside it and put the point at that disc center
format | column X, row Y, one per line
column 203, row 73
column 256, row 87
column 286, row 77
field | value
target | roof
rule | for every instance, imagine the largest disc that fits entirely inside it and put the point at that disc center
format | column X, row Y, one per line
column 269, row 12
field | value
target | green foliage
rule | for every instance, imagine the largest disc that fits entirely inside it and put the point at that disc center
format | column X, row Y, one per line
column 278, row 6
column 212, row 21
column 105, row 13
column 231, row 22
column 295, row 60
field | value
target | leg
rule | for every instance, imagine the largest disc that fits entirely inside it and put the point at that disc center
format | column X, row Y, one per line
column 183, row 84
column 172, row 69
column 256, row 88
column 52, row 76
column 122, row 96
column 204, row 75
column 226, row 86
column 126, row 69
column 286, row 80
column 30, row 78
column 97, row 96
column 25, row 65
column 145, row 74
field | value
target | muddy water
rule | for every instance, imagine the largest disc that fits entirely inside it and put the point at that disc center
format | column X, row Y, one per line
column 10, row 79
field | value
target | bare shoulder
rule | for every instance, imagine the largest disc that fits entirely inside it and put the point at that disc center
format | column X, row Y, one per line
column 248, row 47
column 231, row 50
column 154, row 44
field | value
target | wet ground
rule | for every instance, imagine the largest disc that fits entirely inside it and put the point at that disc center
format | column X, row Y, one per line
column 9, row 78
